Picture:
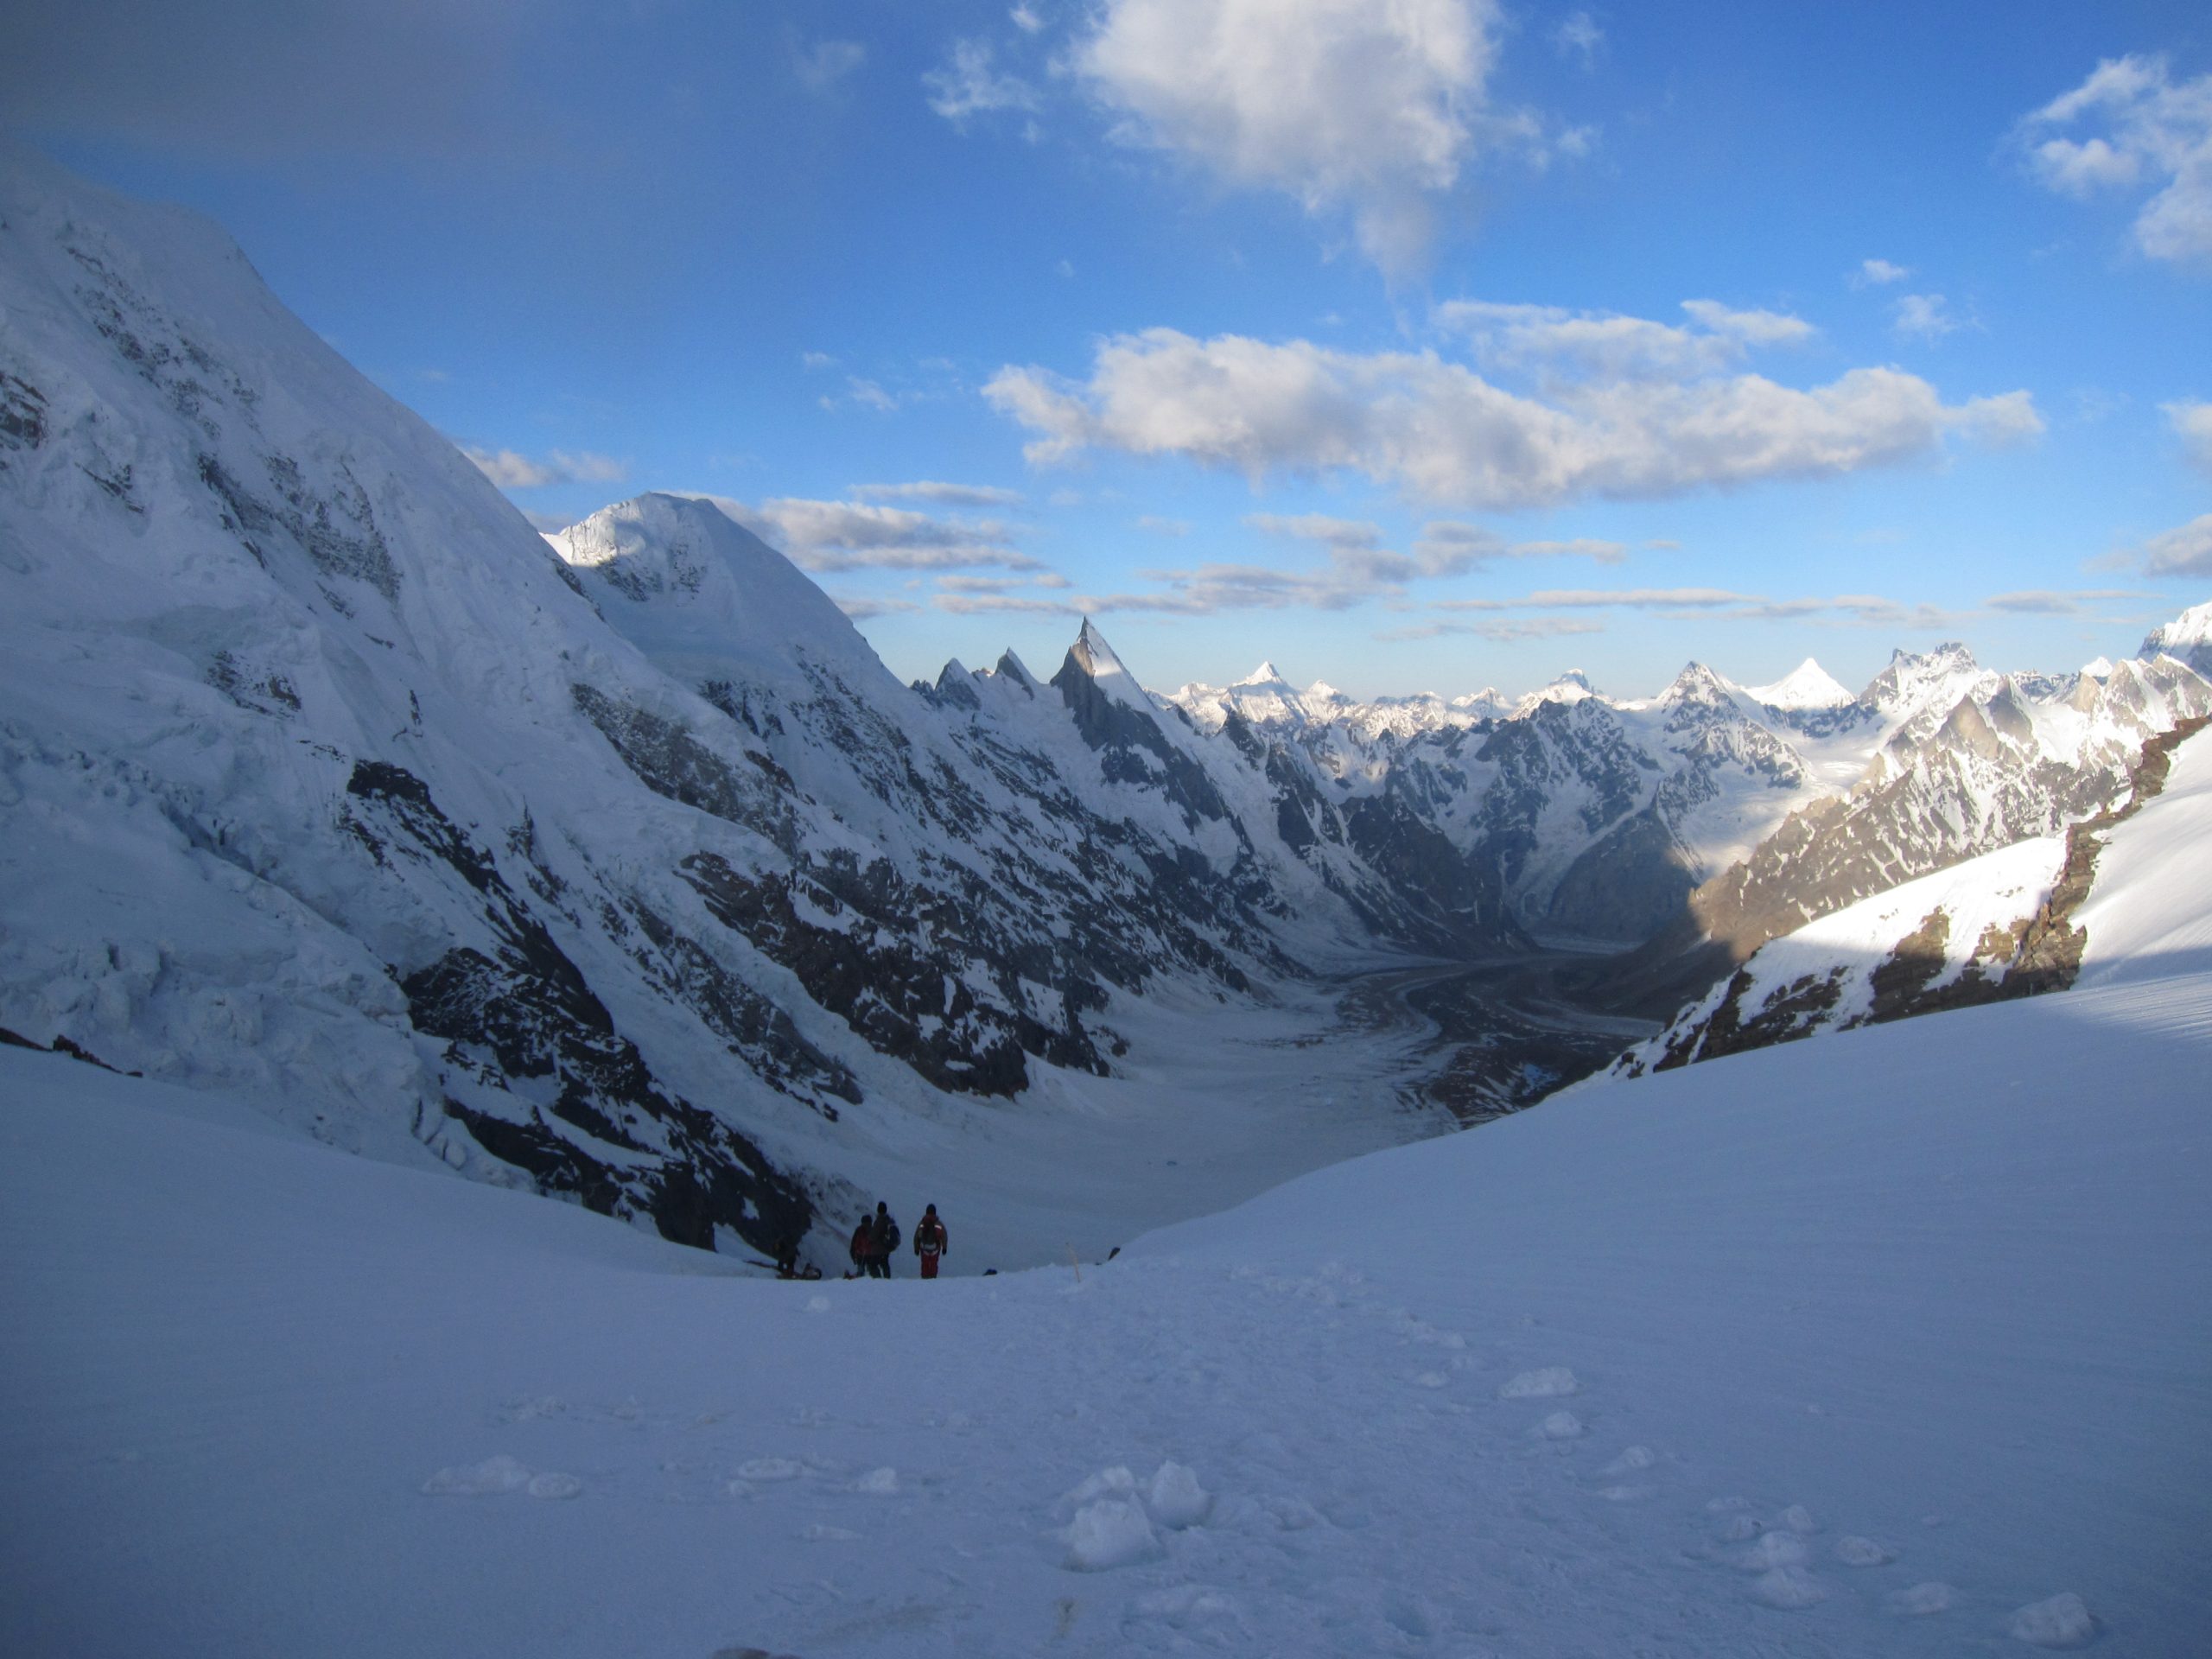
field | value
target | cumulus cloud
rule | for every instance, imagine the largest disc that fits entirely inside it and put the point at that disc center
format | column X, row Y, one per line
column 512, row 470
column 833, row 535
column 1347, row 105
column 2192, row 421
column 863, row 394
column 1924, row 316
column 969, row 84
column 1025, row 17
column 2143, row 127
column 1439, row 432
column 1881, row 272
column 944, row 495
column 2184, row 551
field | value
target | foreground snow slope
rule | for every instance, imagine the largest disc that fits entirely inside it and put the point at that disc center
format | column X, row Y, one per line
column 1646, row 1369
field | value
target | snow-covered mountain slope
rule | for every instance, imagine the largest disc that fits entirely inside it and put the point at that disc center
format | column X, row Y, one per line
column 2188, row 637
column 1806, row 686
column 1887, row 1344
column 2121, row 887
column 629, row 873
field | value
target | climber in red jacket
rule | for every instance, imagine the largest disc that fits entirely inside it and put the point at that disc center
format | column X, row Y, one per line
column 930, row 1241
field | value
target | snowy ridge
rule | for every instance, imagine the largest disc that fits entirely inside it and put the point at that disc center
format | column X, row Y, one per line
column 1806, row 686
column 2188, row 638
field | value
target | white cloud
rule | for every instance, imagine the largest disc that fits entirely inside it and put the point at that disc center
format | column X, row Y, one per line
column 863, row 394
column 2192, row 420
column 816, row 360
column 2043, row 601
column 1881, row 272
column 1438, row 432
column 1924, row 316
column 1548, row 339
column 512, row 470
column 861, row 536
column 1155, row 526
column 1025, row 18
column 969, row 84
column 821, row 65
column 1503, row 632
column 2155, row 129
column 1367, row 106
column 1579, row 35
column 860, row 607
column 2185, row 551
column 1000, row 604
column 944, row 495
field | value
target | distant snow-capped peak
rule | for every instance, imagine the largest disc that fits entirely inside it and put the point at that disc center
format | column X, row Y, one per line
column 2188, row 637
column 1265, row 674
column 1806, row 686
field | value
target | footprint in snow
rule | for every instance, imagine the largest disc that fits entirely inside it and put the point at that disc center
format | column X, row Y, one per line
column 1561, row 1426
column 1798, row 1518
column 1635, row 1457
column 877, row 1483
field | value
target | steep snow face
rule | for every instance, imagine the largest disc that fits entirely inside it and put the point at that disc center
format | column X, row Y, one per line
column 1737, row 1360
column 1806, row 686
column 2149, row 913
column 2188, row 637
column 706, row 599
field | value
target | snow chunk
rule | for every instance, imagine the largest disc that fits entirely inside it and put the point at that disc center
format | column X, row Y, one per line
column 1774, row 1549
column 1561, row 1426
column 879, row 1483
column 1175, row 1498
column 488, row 1478
column 1798, row 1518
column 1855, row 1551
column 1110, row 1532
column 1636, row 1457
column 770, row 1469
column 496, row 1477
column 1548, row 1383
column 1922, row 1599
column 1790, row 1587
column 2062, row 1621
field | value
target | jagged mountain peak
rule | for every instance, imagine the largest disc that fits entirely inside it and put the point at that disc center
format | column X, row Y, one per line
column 1265, row 674
column 1697, row 684
column 1096, row 660
column 1806, row 686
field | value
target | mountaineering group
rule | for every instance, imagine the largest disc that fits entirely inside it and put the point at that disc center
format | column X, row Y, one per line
column 874, row 1241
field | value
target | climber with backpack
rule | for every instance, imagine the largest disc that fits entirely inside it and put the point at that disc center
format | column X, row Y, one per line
column 930, row 1241
column 862, row 1249
column 886, row 1241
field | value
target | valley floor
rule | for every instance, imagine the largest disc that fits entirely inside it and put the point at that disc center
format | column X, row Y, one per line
column 1889, row 1343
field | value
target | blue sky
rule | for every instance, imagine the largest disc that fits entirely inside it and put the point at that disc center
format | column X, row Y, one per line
column 1430, row 346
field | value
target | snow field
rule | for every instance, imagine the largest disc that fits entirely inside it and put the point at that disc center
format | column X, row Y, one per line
column 1882, row 1354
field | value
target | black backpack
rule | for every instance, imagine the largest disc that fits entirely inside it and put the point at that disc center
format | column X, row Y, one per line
column 886, row 1235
